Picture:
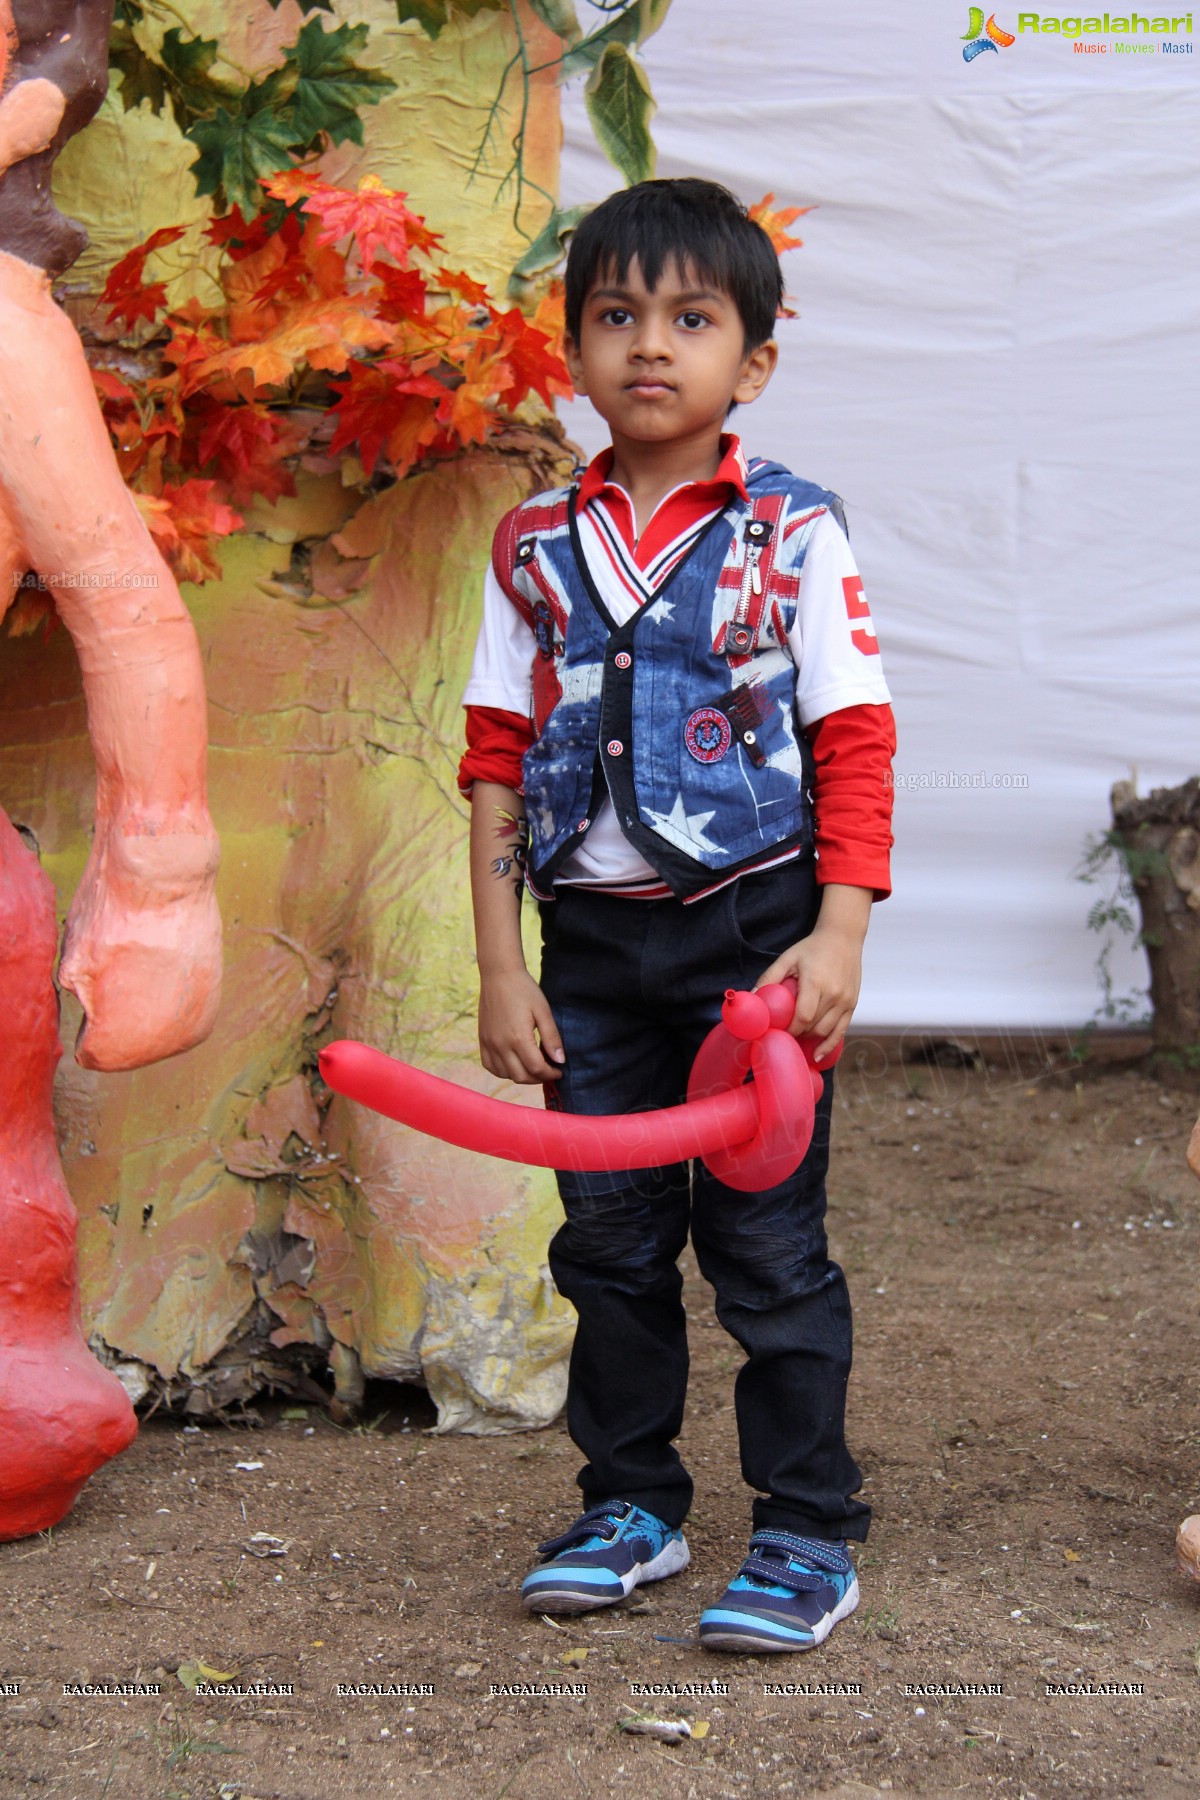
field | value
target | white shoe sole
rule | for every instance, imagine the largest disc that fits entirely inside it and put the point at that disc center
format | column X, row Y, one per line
column 751, row 1645
column 671, row 1560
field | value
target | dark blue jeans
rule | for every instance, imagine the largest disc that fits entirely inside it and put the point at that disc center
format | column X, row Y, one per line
column 635, row 986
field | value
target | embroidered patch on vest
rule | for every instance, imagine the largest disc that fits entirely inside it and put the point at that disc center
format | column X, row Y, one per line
column 708, row 734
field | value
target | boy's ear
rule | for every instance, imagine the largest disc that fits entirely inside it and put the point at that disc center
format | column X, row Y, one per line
column 574, row 364
column 757, row 370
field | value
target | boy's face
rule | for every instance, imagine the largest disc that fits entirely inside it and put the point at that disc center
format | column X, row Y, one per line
column 664, row 365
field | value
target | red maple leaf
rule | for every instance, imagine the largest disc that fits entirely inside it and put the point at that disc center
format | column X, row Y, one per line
column 237, row 235
column 375, row 216
column 528, row 354
column 401, row 293
column 129, row 297
column 111, row 388
column 248, row 445
column 386, row 403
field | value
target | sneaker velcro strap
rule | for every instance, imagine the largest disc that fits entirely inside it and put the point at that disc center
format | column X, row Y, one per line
column 773, row 1552
column 592, row 1523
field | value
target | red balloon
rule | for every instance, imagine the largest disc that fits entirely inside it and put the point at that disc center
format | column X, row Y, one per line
column 748, row 1114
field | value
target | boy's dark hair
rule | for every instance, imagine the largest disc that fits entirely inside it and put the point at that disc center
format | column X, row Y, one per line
column 696, row 224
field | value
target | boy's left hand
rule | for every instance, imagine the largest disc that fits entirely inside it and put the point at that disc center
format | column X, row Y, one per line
column 827, row 966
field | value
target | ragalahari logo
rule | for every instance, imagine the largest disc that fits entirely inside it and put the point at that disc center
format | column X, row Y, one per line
column 980, row 37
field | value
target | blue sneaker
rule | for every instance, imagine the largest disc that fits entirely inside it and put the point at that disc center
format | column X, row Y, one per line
column 788, row 1595
column 602, row 1558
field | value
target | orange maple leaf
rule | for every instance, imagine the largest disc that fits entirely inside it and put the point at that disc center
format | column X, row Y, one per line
column 290, row 270
column 550, row 317
column 320, row 336
column 456, row 282
column 776, row 221
column 290, row 185
column 197, row 517
column 193, row 342
column 470, row 414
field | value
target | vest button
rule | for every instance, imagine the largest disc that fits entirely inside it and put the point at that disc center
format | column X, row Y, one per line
column 615, row 747
column 622, row 659
column 583, row 825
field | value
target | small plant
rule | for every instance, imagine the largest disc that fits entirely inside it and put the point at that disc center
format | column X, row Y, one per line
column 182, row 1743
column 879, row 1621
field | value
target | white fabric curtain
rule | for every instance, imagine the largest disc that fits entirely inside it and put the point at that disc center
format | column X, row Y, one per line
column 996, row 365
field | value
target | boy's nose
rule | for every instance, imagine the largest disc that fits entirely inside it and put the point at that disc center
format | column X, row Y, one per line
column 651, row 343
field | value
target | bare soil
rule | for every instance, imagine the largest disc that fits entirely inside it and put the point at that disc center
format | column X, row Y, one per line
column 1021, row 1247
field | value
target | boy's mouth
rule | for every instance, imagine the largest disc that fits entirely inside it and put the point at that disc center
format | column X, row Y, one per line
column 649, row 384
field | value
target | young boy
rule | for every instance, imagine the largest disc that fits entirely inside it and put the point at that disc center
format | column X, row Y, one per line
column 675, row 657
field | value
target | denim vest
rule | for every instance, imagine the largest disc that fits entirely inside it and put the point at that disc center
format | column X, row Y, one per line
column 685, row 715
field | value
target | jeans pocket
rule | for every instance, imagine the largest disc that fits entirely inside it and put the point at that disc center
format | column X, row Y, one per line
column 775, row 908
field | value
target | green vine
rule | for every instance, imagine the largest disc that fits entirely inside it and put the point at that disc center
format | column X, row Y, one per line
column 1111, row 859
column 618, row 98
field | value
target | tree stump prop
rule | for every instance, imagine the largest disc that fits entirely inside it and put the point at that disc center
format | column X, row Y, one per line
column 1159, row 840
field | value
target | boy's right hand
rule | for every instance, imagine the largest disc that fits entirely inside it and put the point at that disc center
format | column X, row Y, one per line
column 518, row 1038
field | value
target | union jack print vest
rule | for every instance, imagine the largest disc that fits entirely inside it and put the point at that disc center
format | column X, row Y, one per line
column 685, row 715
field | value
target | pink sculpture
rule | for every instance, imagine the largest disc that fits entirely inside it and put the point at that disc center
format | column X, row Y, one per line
column 143, row 939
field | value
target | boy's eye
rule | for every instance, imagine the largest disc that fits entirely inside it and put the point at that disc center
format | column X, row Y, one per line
column 616, row 315
column 692, row 320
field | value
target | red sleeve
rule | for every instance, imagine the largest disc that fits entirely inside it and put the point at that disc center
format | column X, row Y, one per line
column 496, row 743
column 853, row 750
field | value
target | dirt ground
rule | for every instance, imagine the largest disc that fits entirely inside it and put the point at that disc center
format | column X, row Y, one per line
column 1020, row 1241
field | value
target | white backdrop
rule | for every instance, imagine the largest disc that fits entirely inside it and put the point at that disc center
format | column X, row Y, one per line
column 996, row 363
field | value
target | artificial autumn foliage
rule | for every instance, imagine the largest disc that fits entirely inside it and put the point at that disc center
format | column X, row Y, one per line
column 336, row 334
column 775, row 221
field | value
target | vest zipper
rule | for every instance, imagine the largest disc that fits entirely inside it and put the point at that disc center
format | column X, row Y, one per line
column 738, row 637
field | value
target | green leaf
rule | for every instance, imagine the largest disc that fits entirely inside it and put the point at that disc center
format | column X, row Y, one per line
column 619, row 104
column 559, row 15
column 331, row 89
column 141, row 77
column 548, row 247
column 431, row 15
column 188, row 63
column 237, row 148
column 634, row 25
